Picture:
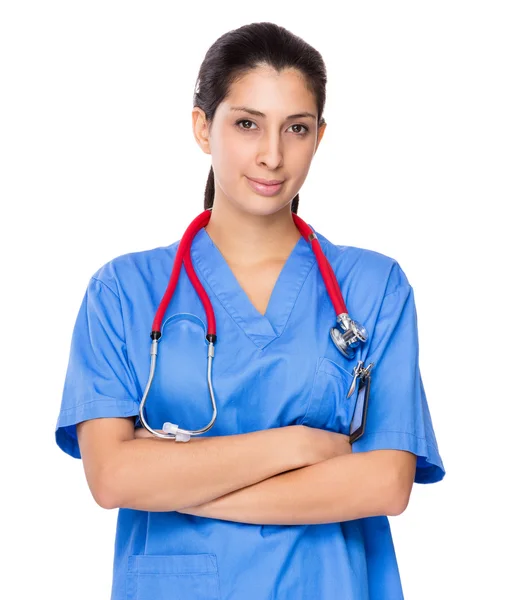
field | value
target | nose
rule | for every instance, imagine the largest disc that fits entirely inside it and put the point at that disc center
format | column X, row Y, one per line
column 270, row 150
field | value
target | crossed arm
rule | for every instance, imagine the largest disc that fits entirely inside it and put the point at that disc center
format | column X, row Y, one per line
column 343, row 488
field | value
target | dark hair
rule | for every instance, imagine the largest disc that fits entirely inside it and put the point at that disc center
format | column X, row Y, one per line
column 237, row 52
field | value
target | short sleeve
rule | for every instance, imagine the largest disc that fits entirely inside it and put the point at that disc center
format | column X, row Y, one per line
column 99, row 381
column 398, row 415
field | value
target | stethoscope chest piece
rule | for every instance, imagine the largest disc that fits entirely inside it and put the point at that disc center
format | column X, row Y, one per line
column 348, row 335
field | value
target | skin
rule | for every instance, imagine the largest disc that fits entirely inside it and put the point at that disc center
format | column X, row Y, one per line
column 246, row 227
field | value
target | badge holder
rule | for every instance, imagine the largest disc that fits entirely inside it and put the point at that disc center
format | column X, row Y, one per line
column 358, row 423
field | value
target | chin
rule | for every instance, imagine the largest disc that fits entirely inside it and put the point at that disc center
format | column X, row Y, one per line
column 264, row 209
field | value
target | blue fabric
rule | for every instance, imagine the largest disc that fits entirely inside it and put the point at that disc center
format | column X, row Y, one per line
column 269, row 371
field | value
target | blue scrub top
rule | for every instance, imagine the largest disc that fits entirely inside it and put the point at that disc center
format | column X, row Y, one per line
column 270, row 370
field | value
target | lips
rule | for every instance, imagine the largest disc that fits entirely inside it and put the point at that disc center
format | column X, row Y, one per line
column 266, row 181
column 264, row 189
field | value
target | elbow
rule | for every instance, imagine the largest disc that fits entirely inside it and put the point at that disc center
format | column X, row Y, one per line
column 399, row 495
column 104, row 494
column 106, row 489
column 106, row 500
column 397, row 504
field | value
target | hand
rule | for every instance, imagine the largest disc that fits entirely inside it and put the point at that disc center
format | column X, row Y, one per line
column 322, row 444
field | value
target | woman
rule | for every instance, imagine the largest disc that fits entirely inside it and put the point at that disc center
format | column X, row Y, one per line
column 273, row 501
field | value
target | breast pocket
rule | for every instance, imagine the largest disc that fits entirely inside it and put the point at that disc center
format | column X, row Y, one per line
column 329, row 407
column 177, row 576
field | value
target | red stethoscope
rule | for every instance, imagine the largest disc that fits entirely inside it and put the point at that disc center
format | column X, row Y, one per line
column 347, row 335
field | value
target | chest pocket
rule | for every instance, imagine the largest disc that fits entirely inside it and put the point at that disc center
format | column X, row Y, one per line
column 329, row 407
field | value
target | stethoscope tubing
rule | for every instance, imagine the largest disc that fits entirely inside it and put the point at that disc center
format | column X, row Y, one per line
column 183, row 258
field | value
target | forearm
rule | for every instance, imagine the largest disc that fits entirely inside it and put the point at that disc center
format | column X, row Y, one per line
column 162, row 475
column 342, row 488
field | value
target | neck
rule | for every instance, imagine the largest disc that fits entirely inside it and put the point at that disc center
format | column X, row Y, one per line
column 245, row 239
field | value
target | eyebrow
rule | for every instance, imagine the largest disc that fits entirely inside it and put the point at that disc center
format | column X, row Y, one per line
column 257, row 113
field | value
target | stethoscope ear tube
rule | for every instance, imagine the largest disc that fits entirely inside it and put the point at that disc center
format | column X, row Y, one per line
column 172, row 430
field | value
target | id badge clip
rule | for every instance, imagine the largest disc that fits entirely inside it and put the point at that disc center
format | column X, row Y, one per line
column 362, row 379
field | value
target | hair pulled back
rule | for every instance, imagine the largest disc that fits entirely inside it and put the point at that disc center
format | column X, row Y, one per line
column 238, row 51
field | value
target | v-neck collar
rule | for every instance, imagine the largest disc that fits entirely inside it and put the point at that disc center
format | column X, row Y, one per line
column 261, row 329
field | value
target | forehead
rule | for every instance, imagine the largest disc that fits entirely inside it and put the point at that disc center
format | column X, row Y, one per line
column 267, row 90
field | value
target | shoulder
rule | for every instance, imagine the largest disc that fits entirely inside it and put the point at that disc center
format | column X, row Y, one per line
column 373, row 270
column 129, row 269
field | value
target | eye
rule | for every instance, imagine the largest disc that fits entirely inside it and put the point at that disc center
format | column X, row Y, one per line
column 306, row 129
column 244, row 121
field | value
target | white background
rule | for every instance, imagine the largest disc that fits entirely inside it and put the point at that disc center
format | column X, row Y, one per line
column 98, row 159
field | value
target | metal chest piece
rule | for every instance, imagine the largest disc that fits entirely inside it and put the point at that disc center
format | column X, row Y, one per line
column 348, row 335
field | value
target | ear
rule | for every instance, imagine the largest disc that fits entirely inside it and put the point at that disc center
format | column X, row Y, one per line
column 321, row 131
column 200, row 129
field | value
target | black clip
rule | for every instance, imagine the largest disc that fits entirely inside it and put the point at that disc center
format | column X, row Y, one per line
column 358, row 422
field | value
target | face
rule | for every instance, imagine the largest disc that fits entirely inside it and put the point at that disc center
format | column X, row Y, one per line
column 269, row 146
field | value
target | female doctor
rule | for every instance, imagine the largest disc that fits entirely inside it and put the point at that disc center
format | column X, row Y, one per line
column 274, row 501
